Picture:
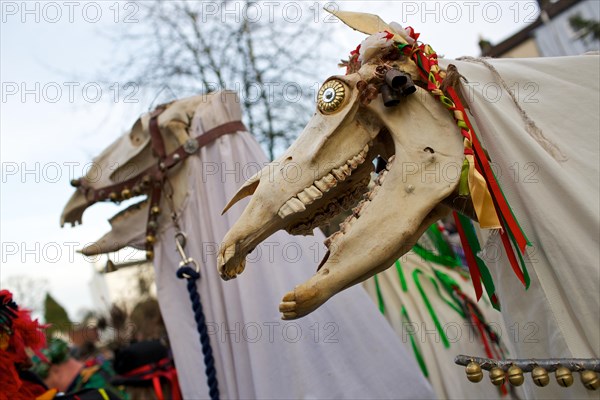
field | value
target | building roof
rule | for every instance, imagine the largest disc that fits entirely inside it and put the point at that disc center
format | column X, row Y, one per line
column 552, row 9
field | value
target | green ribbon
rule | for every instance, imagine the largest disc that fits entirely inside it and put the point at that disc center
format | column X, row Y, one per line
column 484, row 271
column 451, row 287
column 452, row 303
column 434, row 317
column 441, row 245
column 401, row 276
column 463, row 185
column 521, row 260
column 512, row 237
column 414, row 344
column 446, row 261
column 513, row 215
column 380, row 301
column 401, row 46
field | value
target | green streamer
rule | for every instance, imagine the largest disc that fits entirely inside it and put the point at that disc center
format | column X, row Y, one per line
column 521, row 260
column 441, row 245
column 414, row 344
column 436, row 321
column 513, row 215
column 463, row 185
column 486, row 276
column 448, row 281
column 379, row 295
column 446, row 261
column 401, row 276
column 449, row 302
column 451, row 287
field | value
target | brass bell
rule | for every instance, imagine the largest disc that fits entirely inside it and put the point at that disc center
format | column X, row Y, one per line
column 540, row 376
column 126, row 193
column 564, row 376
column 75, row 182
column 474, row 373
column 136, row 190
column 146, row 180
column 155, row 210
column 150, row 239
column 590, row 380
column 113, row 196
column 153, row 225
column 515, row 375
column 497, row 376
column 149, row 255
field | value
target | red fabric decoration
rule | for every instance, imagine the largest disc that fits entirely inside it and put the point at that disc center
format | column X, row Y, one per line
column 24, row 333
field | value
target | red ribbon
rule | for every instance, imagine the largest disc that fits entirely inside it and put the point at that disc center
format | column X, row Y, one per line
column 162, row 368
column 471, row 262
column 501, row 204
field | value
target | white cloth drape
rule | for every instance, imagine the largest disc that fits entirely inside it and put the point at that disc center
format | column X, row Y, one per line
column 556, row 203
column 345, row 349
column 448, row 379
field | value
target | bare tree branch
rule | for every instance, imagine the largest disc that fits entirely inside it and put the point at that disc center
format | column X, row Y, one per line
column 177, row 46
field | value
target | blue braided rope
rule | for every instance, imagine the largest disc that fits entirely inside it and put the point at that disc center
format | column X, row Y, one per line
column 209, row 362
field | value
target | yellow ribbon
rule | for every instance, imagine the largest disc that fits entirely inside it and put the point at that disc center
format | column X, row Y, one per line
column 481, row 198
column 49, row 395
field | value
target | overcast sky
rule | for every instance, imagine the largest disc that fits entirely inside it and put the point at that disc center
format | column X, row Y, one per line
column 53, row 119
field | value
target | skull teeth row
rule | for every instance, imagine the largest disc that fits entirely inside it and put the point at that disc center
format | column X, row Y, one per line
column 314, row 192
column 359, row 209
column 324, row 214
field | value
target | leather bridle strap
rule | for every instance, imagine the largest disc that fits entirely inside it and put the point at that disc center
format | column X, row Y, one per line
column 191, row 146
column 158, row 145
column 152, row 179
column 154, row 172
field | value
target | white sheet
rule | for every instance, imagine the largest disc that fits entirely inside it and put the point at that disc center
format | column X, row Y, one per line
column 448, row 379
column 345, row 349
column 556, row 203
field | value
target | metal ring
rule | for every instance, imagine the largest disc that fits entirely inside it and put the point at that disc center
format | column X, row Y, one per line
column 196, row 265
column 187, row 262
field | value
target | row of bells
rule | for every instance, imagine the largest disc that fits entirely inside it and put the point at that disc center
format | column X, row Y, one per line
column 126, row 193
column 150, row 238
column 540, row 376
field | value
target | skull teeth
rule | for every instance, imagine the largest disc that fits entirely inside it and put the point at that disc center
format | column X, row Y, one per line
column 292, row 206
column 339, row 174
column 313, row 192
column 326, row 183
column 309, row 195
column 320, row 186
column 305, row 198
column 332, row 238
column 359, row 209
column 228, row 254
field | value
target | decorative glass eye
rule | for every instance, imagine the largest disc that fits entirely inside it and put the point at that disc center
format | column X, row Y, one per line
column 331, row 96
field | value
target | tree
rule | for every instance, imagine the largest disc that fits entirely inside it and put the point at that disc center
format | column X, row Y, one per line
column 55, row 315
column 266, row 55
column 28, row 292
column 585, row 27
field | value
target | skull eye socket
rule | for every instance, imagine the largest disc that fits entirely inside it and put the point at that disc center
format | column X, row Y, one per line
column 331, row 96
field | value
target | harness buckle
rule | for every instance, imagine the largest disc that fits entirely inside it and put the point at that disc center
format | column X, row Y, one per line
column 191, row 146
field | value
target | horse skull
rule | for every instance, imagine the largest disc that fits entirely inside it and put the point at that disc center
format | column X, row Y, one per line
column 327, row 169
column 131, row 154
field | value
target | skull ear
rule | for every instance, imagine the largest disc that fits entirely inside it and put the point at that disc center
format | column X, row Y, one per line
column 366, row 23
column 247, row 189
